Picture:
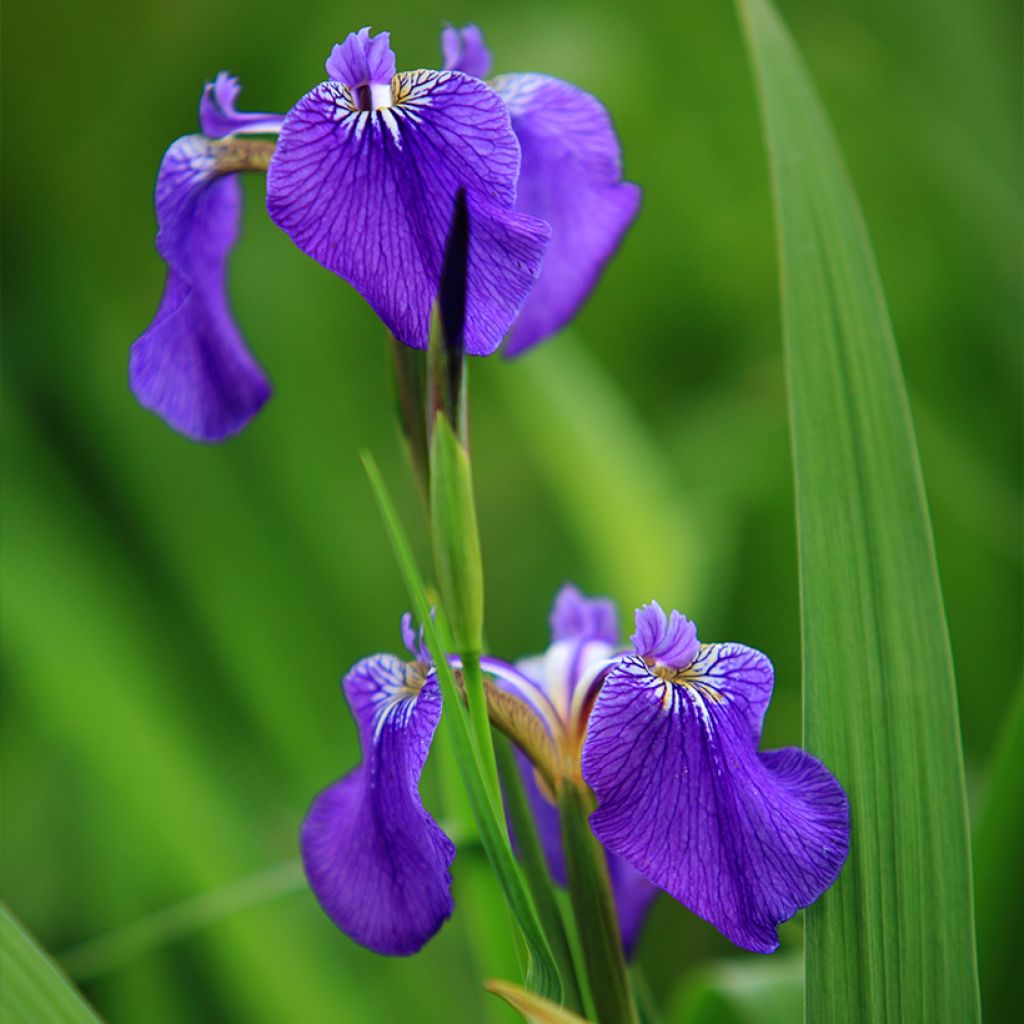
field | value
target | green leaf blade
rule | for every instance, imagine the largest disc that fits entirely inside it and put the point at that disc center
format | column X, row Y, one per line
column 34, row 991
column 894, row 939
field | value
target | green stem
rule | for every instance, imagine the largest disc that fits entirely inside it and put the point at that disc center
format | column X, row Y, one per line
column 590, row 891
column 410, row 389
column 480, row 726
column 534, row 865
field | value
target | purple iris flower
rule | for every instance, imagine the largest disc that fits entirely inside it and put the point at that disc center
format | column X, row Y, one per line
column 666, row 736
column 363, row 178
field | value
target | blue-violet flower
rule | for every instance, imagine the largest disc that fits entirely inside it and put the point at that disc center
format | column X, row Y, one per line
column 363, row 178
column 665, row 733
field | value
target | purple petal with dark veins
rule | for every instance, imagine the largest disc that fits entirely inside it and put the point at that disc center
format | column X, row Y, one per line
column 669, row 639
column 744, row 839
column 571, row 177
column 464, row 50
column 191, row 366
column 375, row 859
column 218, row 116
column 369, row 194
column 574, row 616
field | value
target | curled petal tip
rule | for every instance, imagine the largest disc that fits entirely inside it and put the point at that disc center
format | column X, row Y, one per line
column 671, row 640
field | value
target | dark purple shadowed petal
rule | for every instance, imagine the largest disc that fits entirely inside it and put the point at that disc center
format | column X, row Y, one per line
column 633, row 893
column 370, row 194
column 633, row 898
column 575, row 617
column 191, row 366
column 362, row 60
column 218, row 116
column 375, row 859
column 464, row 50
column 570, row 177
column 545, row 817
column 669, row 639
column 741, row 838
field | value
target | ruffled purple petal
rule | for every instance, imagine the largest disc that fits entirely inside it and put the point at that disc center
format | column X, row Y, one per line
column 571, row 177
column 574, row 616
column 464, row 50
column 670, row 640
column 744, row 839
column 375, row 859
column 191, row 366
column 218, row 116
column 370, row 194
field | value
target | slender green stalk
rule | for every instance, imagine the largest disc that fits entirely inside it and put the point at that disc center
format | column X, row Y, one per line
column 590, row 890
column 535, row 869
column 410, row 395
column 542, row 975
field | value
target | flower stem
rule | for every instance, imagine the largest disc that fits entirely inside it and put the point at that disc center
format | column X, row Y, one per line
column 534, row 864
column 590, row 892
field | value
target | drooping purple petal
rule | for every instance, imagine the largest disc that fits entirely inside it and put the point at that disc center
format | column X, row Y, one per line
column 191, row 366
column 375, row 858
column 369, row 194
column 571, row 177
column 464, row 50
column 575, row 616
column 744, row 839
column 670, row 640
column 218, row 116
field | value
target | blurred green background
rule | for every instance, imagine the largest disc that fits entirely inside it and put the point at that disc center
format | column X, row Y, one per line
column 176, row 618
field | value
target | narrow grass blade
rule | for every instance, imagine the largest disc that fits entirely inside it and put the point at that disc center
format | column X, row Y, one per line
column 34, row 991
column 542, row 975
column 998, row 856
column 894, row 939
column 108, row 952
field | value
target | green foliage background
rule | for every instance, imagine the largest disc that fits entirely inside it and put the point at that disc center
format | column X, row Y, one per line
column 176, row 618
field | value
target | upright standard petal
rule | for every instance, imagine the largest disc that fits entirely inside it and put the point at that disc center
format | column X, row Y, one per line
column 668, row 639
column 375, row 858
column 464, row 50
column 576, row 617
column 572, row 178
column 366, row 64
column 744, row 839
column 191, row 366
column 370, row 193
